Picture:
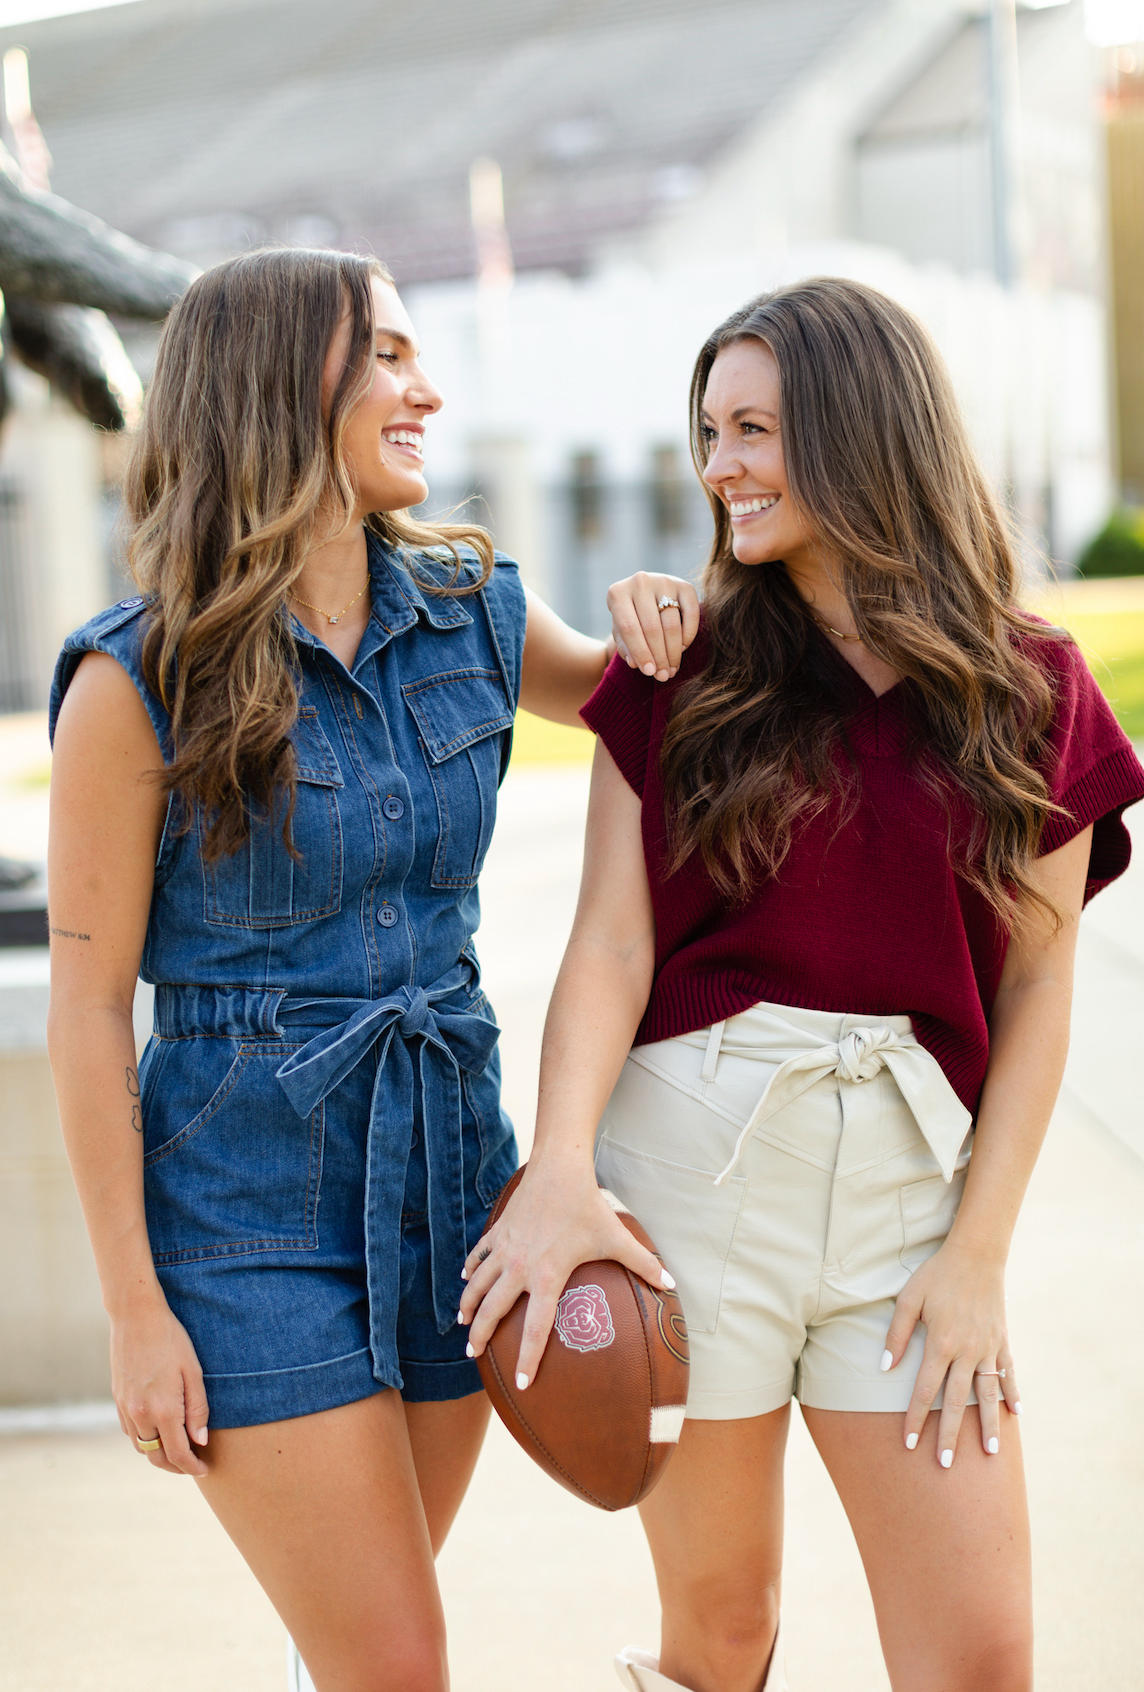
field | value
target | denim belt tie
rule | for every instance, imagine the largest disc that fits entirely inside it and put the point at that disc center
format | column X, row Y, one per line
column 445, row 1041
column 446, row 1038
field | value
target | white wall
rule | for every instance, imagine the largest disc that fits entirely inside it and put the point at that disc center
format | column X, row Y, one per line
column 603, row 364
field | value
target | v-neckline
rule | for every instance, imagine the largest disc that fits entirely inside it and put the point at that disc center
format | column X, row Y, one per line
column 869, row 693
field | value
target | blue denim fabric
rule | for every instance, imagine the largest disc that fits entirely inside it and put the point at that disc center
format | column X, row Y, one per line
column 323, row 1133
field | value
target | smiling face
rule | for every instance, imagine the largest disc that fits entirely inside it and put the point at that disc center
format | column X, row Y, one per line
column 745, row 466
column 383, row 442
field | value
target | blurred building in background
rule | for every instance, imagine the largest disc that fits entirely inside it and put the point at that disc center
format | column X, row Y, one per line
column 571, row 197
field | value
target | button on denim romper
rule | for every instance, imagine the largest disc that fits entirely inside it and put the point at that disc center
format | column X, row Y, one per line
column 323, row 1133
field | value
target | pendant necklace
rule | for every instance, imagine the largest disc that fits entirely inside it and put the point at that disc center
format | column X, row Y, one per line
column 330, row 616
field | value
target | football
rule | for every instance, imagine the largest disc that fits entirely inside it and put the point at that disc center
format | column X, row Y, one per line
column 605, row 1410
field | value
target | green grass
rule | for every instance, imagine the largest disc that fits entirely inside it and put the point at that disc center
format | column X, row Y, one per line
column 1122, row 682
column 535, row 741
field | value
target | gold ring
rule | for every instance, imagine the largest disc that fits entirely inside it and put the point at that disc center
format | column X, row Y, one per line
column 666, row 603
column 148, row 1444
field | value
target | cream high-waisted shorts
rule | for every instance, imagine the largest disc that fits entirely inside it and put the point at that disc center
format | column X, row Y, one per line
column 793, row 1167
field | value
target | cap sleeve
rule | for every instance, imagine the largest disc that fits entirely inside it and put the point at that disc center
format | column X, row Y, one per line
column 1091, row 768
column 620, row 712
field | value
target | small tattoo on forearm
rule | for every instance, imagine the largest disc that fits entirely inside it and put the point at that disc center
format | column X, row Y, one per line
column 69, row 934
column 136, row 1110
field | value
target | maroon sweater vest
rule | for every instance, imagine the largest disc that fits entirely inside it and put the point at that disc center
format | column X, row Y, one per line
column 868, row 914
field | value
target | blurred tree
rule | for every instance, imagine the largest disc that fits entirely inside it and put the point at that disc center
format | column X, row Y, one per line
column 1118, row 549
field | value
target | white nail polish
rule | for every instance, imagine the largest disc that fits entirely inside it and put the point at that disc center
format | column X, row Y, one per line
column 668, row 1280
column 1017, row 1408
column 946, row 1459
column 521, row 1382
column 911, row 1442
column 469, row 1352
column 887, row 1360
column 464, row 1274
column 993, row 1446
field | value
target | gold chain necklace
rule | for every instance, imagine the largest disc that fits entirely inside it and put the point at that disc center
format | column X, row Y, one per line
column 830, row 629
column 330, row 616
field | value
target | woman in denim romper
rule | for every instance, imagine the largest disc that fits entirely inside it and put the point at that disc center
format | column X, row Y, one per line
column 318, row 1110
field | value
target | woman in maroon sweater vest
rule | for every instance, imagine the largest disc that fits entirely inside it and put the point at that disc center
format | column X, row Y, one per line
column 823, row 952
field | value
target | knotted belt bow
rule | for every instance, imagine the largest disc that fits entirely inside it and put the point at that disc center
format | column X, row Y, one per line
column 446, row 1041
column 858, row 1056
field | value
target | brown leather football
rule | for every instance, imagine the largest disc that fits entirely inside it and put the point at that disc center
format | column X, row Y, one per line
column 605, row 1410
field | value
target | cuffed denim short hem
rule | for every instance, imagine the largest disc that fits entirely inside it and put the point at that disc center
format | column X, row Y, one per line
column 278, row 1395
column 437, row 1383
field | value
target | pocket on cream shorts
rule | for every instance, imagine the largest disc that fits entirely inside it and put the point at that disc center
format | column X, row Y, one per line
column 788, row 1269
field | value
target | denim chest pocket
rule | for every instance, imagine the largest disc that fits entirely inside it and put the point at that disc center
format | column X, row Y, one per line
column 262, row 885
column 461, row 718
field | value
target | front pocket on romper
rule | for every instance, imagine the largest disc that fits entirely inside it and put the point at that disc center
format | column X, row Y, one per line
column 690, row 1219
column 263, row 885
column 463, row 719
column 242, row 1173
column 928, row 1208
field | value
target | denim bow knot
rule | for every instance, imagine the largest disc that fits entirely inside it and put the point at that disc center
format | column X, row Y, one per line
column 443, row 1040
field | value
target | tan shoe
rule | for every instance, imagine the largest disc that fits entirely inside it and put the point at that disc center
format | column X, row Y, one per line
column 639, row 1670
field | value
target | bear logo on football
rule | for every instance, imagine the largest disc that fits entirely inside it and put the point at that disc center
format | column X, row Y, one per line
column 583, row 1319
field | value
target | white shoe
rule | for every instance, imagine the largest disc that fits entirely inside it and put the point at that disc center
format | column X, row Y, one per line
column 639, row 1670
column 297, row 1674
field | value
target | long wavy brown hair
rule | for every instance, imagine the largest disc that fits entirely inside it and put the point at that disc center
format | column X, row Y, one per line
column 233, row 468
column 878, row 463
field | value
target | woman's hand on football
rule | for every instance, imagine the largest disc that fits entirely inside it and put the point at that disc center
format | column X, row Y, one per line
column 158, row 1386
column 647, row 638
column 961, row 1299
column 553, row 1222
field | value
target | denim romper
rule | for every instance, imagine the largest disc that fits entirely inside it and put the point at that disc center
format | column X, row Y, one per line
column 323, row 1134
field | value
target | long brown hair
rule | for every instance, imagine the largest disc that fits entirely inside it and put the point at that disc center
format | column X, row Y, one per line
column 231, row 467
column 879, row 466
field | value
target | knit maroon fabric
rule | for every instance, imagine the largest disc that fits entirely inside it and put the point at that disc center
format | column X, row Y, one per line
column 867, row 913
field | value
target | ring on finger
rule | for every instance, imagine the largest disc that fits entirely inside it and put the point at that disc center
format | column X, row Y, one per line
column 666, row 603
column 998, row 1374
column 148, row 1444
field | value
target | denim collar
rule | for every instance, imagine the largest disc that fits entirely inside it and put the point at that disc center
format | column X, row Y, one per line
column 397, row 601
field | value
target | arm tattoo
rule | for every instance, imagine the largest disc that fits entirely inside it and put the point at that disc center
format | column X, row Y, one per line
column 70, row 934
column 136, row 1110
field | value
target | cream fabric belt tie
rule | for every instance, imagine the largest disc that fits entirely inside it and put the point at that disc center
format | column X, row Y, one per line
column 858, row 1056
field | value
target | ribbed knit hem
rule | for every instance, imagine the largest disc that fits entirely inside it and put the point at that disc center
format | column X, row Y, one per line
column 683, row 1004
column 1100, row 796
column 620, row 724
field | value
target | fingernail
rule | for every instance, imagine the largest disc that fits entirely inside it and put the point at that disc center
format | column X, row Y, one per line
column 462, row 1319
column 662, row 675
column 946, row 1459
column 1017, row 1408
column 667, row 1280
column 911, row 1442
column 200, row 1436
column 887, row 1360
column 464, row 1274
column 469, row 1352
column 993, row 1446
column 521, row 1382
column 649, row 669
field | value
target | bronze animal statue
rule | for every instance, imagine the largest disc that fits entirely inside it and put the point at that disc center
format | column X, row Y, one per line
column 61, row 272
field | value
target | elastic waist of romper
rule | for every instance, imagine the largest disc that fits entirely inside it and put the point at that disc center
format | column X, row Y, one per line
column 184, row 1010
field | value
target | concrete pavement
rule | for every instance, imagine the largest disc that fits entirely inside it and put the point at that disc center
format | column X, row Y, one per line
column 113, row 1576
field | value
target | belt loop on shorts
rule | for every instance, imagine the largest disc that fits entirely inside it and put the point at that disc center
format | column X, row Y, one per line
column 711, row 1055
